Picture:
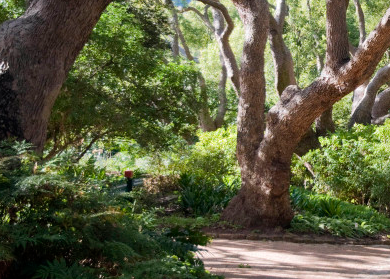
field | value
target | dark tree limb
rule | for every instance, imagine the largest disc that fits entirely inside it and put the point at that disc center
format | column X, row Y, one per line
column 37, row 51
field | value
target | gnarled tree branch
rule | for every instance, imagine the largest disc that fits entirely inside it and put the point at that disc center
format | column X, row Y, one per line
column 224, row 45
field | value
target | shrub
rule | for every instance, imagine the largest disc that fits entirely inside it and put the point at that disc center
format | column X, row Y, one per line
column 213, row 156
column 352, row 165
column 161, row 184
column 199, row 196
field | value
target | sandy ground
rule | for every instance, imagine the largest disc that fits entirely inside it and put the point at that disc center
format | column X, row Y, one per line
column 276, row 260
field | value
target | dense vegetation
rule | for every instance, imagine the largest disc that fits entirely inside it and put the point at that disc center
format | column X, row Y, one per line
column 129, row 103
column 61, row 222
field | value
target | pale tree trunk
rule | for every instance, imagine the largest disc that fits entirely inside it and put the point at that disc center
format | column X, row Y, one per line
column 358, row 93
column 205, row 120
column 382, row 104
column 228, row 62
column 37, row 51
column 283, row 63
column 265, row 157
column 222, row 38
column 324, row 123
column 362, row 113
column 362, row 21
column 175, row 46
column 219, row 28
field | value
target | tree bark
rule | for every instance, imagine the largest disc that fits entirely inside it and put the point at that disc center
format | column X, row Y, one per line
column 283, row 63
column 37, row 50
column 362, row 113
column 382, row 104
column 221, row 34
column 260, row 201
column 265, row 157
column 224, row 44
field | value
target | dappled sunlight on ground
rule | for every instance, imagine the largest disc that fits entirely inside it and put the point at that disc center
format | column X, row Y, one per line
column 266, row 259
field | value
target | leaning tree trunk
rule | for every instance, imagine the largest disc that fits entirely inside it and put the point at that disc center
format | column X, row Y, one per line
column 265, row 157
column 37, row 50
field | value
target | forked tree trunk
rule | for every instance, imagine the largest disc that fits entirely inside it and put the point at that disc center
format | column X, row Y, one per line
column 265, row 157
column 36, row 52
column 260, row 202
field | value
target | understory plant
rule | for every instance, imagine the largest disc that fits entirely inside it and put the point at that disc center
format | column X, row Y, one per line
column 53, row 227
column 320, row 213
column 199, row 196
column 351, row 165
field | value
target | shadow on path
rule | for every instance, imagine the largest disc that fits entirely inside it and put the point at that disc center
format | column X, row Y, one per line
column 266, row 259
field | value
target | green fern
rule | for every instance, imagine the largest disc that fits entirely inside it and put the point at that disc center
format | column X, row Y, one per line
column 58, row 269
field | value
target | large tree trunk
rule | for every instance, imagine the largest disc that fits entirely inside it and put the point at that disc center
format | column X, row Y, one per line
column 265, row 157
column 37, row 50
column 260, row 202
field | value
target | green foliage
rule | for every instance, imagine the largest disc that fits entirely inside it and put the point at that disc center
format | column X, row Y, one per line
column 342, row 112
column 199, row 196
column 213, row 156
column 122, row 84
column 51, row 227
column 10, row 9
column 60, row 270
column 323, row 214
column 352, row 165
column 188, row 222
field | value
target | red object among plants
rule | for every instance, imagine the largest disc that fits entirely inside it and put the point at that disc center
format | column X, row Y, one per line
column 129, row 174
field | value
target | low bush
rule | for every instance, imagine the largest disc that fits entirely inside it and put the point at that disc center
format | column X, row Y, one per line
column 214, row 155
column 320, row 214
column 351, row 165
column 161, row 184
column 199, row 196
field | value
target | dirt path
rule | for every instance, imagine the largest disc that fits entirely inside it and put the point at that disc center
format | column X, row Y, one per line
column 277, row 260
